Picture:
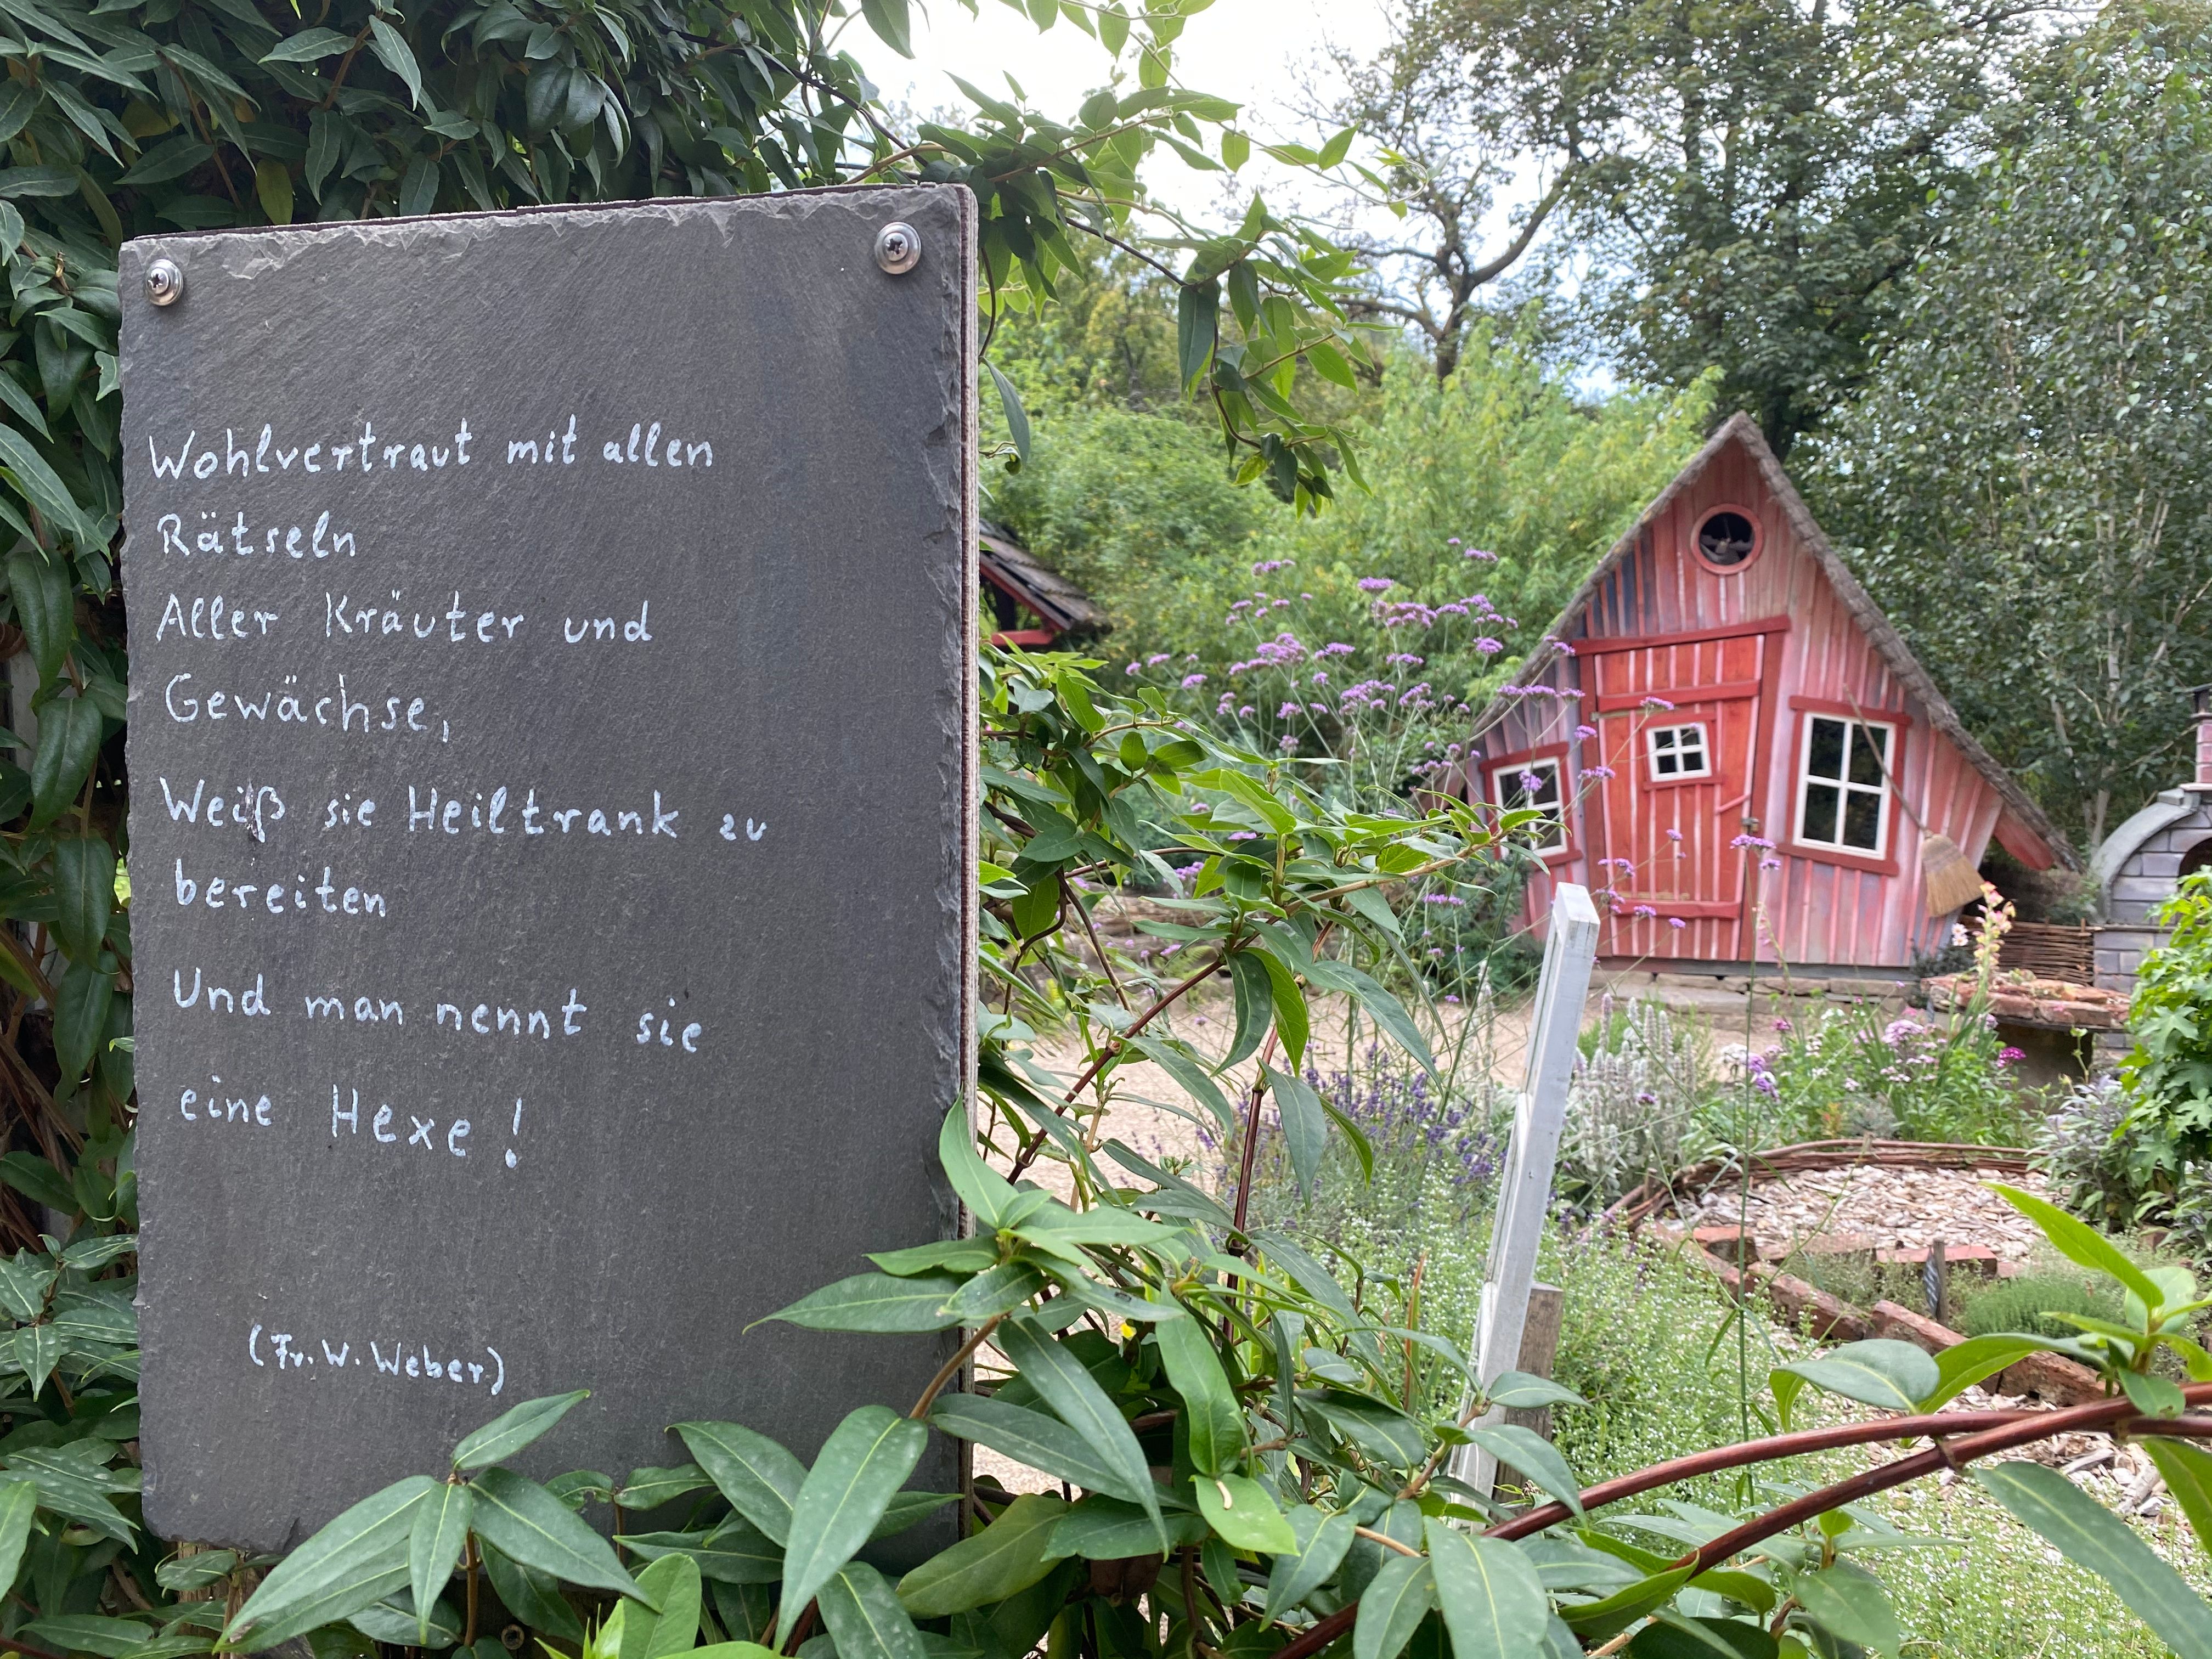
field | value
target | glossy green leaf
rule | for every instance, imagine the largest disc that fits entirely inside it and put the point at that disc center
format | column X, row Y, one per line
column 888, row 18
column 45, row 608
column 1242, row 1513
column 1493, row 1603
column 1034, row 1440
column 2080, row 1243
column 527, row 1523
column 1880, row 1372
column 359, row 1557
column 19, row 1502
column 398, row 56
column 41, row 485
column 673, row 1584
column 1254, row 997
column 2187, row 1467
column 1107, row 1529
column 1533, row 1456
column 69, row 743
column 509, row 1432
column 866, row 1458
column 1849, row 1601
column 735, row 1553
column 877, row 1302
column 1977, row 1359
column 650, row 1488
column 1066, row 1385
column 435, row 1543
column 989, row 1195
column 532, row 1596
column 1212, row 1419
column 2090, row 1535
column 308, row 47
column 1322, row 1542
column 1009, row 401
column 1292, row 1022
column 81, row 1007
column 1006, row 1557
column 1305, row 1126
column 1523, row 1392
column 864, row 1616
column 1670, row 1636
column 1397, row 1599
column 760, row 1478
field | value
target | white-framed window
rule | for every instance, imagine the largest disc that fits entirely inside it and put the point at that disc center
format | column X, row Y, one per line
column 1678, row 751
column 1520, row 784
column 1843, row 788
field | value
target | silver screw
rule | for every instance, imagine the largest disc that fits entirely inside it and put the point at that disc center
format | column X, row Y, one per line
column 898, row 247
column 165, row 284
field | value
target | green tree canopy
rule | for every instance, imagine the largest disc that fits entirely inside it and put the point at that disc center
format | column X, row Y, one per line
column 2025, row 478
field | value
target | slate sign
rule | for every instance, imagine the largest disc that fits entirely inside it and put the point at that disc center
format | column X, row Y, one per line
column 552, row 649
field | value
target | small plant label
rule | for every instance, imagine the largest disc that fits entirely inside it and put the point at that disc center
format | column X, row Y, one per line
column 552, row 832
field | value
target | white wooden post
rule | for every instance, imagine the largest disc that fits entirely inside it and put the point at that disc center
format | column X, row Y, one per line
column 1524, row 1197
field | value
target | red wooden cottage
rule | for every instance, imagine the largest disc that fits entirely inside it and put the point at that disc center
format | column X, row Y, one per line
column 1743, row 760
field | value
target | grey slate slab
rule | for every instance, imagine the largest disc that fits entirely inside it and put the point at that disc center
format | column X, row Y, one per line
column 647, row 622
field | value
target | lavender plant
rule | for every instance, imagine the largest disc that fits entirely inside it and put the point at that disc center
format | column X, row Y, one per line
column 1639, row 1104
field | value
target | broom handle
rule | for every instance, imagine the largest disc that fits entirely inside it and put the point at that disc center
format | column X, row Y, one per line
column 1889, row 777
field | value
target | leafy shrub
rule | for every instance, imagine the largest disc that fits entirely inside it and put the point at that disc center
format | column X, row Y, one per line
column 2032, row 1302
column 2167, row 1076
column 1855, row 1070
column 2094, row 1158
column 1639, row 1102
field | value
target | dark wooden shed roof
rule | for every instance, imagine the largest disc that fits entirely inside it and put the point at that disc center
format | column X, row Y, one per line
column 1015, row 571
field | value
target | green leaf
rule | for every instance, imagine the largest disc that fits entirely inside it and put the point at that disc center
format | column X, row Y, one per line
column 81, row 1003
column 360, row 1558
column 959, row 1255
column 45, row 608
column 69, row 741
column 1063, row 1382
column 1594, row 1622
column 2090, row 1535
column 533, row 1528
column 397, row 56
column 309, row 46
column 877, row 1302
column 19, row 1501
column 649, row 1488
column 1322, row 1540
column 760, row 1478
column 865, row 1617
column 1961, row 1365
column 508, row 1433
column 2080, row 1243
column 184, row 1572
column 999, row 1290
column 1305, row 1126
column 1397, row 1599
column 1009, row 401
column 1256, row 1008
column 1493, row 1603
column 735, row 1553
column 1292, row 1020
column 1334, row 151
column 42, row 486
column 1211, row 1416
column 1176, row 1061
column 1523, row 1392
column 866, row 1458
column 1005, row 1557
column 435, row 1542
column 532, row 1596
column 1670, row 1636
column 1880, row 1372
column 888, row 18
column 83, row 1633
column 1106, row 1530
column 1032, row 1439
column 36, row 1350
column 1534, row 1457
column 989, row 1195
column 2187, row 1470
column 1847, row 1601
column 908, row 1508
column 673, row 1583
column 1241, row 1511
column 2154, row 1396
column 435, row 1629
column 272, row 188
column 1198, row 323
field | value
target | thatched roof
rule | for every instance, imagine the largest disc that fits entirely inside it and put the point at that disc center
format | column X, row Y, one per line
column 1009, row 565
column 1888, row 641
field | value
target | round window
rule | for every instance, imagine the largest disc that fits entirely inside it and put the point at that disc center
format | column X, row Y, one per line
column 1727, row 538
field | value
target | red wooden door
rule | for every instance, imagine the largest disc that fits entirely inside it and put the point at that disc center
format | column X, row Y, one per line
column 1679, row 730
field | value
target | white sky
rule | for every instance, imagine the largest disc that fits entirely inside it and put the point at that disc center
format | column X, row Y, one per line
column 1255, row 52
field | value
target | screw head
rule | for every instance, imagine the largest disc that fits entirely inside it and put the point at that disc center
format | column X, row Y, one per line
column 898, row 247
column 165, row 284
